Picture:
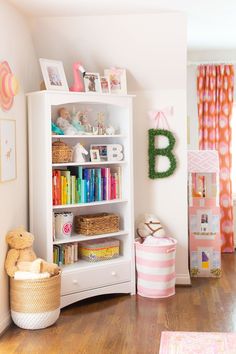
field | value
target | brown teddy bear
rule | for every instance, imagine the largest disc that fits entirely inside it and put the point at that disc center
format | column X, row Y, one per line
column 21, row 256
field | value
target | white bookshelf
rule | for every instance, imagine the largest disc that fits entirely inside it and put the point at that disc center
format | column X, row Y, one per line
column 81, row 279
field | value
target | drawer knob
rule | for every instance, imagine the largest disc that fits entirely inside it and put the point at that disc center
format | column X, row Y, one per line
column 113, row 273
column 75, row 281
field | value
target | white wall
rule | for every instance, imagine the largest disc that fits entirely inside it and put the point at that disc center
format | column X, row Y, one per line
column 152, row 47
column 17, row 49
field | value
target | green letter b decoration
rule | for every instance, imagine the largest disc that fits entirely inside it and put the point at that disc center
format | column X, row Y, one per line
column 167, row 151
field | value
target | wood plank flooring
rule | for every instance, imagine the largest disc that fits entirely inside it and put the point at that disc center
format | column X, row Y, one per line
column 123, row 324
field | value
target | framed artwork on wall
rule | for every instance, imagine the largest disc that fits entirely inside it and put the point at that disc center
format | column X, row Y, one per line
column 7, row 150
column 53, row 75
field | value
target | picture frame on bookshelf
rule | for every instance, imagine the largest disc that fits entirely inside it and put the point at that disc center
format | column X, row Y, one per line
column 7, row 150
column 105, row 84
column 94, row 155
column 117, row 80
column 102, row 150
column 92, row 82
column 53, row 74
column 109, row 152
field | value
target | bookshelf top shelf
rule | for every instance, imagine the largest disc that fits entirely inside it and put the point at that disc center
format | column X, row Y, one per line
column 89, row 136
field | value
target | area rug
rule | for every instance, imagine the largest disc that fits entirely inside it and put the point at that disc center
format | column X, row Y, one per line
column 197, row 343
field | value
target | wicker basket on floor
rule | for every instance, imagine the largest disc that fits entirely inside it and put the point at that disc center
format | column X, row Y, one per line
column 35, row 303
column 61, row 152
column 97, row 224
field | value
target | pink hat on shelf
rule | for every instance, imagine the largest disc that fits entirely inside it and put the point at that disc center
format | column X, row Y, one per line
column 9, row 86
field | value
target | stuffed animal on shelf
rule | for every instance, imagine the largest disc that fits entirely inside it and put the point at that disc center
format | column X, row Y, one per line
column 75, row 121
column 56, row 130
column 83, row 119
column 63, row 122
column 150, row 226
column 78, row 152
column 21, row 256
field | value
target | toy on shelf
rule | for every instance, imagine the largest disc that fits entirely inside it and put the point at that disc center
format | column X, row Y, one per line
column 21, row 256
column 204, row 213
column 63, row 122
column 56, row 130
column 78, row 153
column 78, row 85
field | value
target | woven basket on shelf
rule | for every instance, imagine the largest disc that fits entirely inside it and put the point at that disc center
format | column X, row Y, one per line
column 97, row 224
column 35, row 303
column 61, row 152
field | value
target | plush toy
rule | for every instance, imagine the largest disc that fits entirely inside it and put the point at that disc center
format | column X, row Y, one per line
column 150, row 226
column 56, row 130
column 63, row 122
column 21, row 256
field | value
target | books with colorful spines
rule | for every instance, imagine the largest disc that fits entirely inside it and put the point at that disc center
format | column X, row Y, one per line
column 54, row 183
column 76, row 252
column 83, row 191
column 86, row 177
column 73, row 189
column 66, row 259
column 56, row 251
column 92, row 185
column 104, row 172
column 113, row 186
column 117, row 173
column 66, row 174
column 98, row 185
column 61, row 255
column 56, row 195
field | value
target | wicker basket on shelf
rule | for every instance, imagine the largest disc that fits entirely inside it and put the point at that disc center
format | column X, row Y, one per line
column 61, row 152
column 97, row 224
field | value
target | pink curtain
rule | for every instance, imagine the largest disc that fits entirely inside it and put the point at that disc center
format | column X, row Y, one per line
column 215, row 88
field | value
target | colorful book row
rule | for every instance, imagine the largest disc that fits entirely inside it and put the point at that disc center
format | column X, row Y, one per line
column 65, row 254
column 85, row 185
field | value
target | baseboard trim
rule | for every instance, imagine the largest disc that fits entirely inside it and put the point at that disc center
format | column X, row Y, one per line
column 183, row 279
column 5, row 322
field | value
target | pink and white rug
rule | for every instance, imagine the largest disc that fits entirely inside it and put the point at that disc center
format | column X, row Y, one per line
column 197, row 343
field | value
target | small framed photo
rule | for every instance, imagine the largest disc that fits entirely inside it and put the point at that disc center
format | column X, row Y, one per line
column 53, row 75
column 105, row 84
column 102, row 149
column 94, row 155
column 7, row 150
column 92, row 82
column 117, row 80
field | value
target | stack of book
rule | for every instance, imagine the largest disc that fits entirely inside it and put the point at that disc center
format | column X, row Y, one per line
column 65, row 254
column 85, row 185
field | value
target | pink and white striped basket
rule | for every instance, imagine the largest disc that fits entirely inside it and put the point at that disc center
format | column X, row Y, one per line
column 156, row 268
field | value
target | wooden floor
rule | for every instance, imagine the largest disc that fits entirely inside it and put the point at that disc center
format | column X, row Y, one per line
column 132, row 324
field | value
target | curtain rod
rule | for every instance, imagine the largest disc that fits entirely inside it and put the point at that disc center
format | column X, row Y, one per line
column 211, row 62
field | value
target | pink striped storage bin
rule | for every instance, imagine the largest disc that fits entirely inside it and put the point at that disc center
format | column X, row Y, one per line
column 156, row 268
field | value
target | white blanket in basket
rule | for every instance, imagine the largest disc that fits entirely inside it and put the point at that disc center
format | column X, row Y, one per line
column 19, row 275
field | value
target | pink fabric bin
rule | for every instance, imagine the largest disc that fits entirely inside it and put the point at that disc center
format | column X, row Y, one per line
column 155, row 266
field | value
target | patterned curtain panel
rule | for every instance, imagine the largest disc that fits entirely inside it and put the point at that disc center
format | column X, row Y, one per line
column 215, row 88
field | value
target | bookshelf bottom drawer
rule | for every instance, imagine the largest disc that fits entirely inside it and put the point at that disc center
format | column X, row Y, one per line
column 80, row 280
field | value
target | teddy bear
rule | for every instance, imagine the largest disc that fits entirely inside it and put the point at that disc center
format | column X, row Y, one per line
column 21, row 256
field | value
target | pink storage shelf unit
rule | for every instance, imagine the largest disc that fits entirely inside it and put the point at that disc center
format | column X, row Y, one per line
column 204, row 213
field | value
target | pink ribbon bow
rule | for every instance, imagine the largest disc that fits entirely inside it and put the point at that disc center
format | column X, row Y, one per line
column 160, row 116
